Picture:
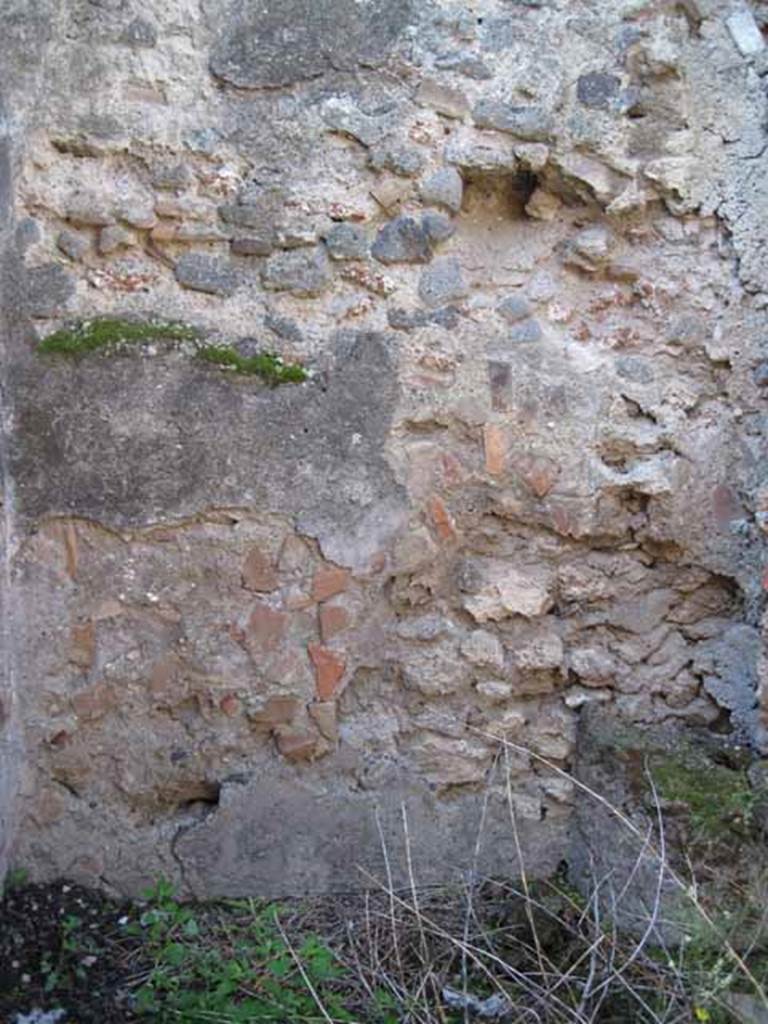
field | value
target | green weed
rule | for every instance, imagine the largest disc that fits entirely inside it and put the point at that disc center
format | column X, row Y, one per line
column 15, row 878
column 210, row 965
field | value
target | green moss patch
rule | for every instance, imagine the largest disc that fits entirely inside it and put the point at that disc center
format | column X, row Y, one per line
column 720, row 800
column 103, row 332
column 267, row 365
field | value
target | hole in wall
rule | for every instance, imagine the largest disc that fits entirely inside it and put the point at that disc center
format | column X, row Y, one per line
column 502, row 195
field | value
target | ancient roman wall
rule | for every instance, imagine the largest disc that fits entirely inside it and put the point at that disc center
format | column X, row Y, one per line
column 519, row 247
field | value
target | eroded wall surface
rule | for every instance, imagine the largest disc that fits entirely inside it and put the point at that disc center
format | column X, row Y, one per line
column 521, row 249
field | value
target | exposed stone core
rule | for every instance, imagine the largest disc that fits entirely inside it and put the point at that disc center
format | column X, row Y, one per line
column 253, row 634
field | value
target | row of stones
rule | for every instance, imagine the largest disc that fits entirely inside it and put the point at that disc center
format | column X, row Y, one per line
column 253, row 228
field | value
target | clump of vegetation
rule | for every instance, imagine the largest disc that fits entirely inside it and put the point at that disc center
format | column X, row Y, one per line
column 267, row 365
column 483, row 950
column 719, row 800
column 235, row 965
column 104, row 332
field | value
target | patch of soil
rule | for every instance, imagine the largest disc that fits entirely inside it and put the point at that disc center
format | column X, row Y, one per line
column 65, row 947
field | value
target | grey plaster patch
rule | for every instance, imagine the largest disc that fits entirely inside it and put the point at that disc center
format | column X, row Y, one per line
column 132, row 439
column 48, row 290
column 745, row 33
column 280, row 42
column 728, row 666
column 291, row 830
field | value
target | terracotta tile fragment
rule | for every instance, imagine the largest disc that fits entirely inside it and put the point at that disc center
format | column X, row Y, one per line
column 329, row 580
column 276, row 711
column 229, row 705
column 323, row 714
column 329, row 670
column 266, row 626
column 442, row 519
column 296, row 745
column 257, row 573
column 82, row 650
column 333, row 620
column 495, row 445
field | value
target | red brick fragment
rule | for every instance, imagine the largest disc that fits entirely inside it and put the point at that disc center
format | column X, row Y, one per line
column 323, row 714
column 229, row 705
column 495, row 445
column 276, row 711
column 94, row 702
column 333, row 620
column 83, row 646
column 296, row 745
column 257, row 573
column 442, row 519
column 329, row 670
column 329, row 580
column 266, row 626
column 538, row 474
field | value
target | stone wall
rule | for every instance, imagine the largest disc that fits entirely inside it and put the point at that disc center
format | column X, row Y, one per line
column 520, row 248
column 10, row 756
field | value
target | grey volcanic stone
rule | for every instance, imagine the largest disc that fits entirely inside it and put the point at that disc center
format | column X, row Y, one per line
column 444, row 188
column 302, row 272
column 279, row 42
column 598, row 90
column 403, row 160
column 247, row 215
column 73, row 245
column 514, row 308
column 525, row 332
column 347, row 242
column 284, row 328
column 534, row 124
column 437, row 227
column 27, row 233
column 467, row 64
column 172, row 176
column 204, row 273
column 253, row 245
column 140, row 33
column 113, row 238
column 48, row 290
column 403, row 240
column 442, row 282
column 405, row 320
column 634, row 369
column 341, row 115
